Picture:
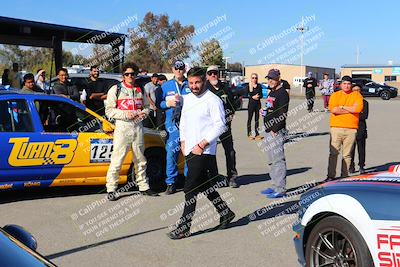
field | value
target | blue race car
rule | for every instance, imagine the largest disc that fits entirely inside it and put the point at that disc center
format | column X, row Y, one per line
column 351, row 222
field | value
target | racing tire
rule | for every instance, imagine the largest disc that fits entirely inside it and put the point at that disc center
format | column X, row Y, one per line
column 385, row 95
column 334, row 241
column 156, row 168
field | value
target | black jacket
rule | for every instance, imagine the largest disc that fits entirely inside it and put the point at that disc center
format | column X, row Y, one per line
column 310, row 91
column 225, row 94
column 257, row 90
column 67, row 89
column 362, row 123
column 275, row 120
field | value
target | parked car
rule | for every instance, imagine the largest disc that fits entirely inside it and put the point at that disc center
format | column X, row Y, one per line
column 80, row 80
column 351, row 222
column 18, row 248
column 240, row 90
column 49, row 140
column 371, row 88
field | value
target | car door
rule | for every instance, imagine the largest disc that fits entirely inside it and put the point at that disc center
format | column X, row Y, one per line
column 92, row 155
column 23, row 149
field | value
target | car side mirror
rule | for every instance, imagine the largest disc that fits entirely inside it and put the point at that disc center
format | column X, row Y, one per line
column 21, row 235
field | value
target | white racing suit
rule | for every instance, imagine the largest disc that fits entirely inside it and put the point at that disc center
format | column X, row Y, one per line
column 128, row 134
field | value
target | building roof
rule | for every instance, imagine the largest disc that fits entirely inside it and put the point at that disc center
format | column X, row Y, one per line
column 285, row 64
column 353, row 66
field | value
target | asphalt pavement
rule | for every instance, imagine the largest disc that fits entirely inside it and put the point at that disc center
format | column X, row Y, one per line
column 76, row 226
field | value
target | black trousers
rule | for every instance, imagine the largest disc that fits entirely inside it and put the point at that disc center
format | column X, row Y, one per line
column 200, row 179
column 310, row 102
column 253, row 108
column 360, row 144
column 230, row 153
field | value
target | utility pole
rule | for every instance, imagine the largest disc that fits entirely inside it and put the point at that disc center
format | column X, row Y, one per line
column 226, row 62
column 302, row 29
column 358, row 54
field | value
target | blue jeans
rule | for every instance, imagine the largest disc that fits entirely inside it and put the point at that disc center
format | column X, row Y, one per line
column 276, row 155
column 173, row 149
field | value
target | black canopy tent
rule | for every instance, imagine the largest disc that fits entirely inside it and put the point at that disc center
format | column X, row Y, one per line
column 40, row 34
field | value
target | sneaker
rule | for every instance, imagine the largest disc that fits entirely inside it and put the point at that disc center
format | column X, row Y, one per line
column 362, row 171
column 233, row 183
column 226, row 218
column 112, row 196
column 149, row 192
column 178, row 233
column 352, row 170
column 259, row 137
column 276, row 195
column 171, row 189
column 250, row 137
column 268, row 191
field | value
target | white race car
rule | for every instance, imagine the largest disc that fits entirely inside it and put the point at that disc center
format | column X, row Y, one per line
column 351, row 222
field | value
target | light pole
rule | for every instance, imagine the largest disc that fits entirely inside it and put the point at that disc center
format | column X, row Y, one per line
column 301, row 28
column 226, row 62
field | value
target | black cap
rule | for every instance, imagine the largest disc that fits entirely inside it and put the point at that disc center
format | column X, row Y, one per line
column 347, row 79
column 273, row 74
column 155, row 75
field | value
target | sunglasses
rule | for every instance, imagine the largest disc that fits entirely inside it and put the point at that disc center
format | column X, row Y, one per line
column 212, row 73
column 254, row 78
column 179, row 68
column 126, row 74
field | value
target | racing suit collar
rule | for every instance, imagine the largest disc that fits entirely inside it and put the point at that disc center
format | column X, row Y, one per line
column 127, row 85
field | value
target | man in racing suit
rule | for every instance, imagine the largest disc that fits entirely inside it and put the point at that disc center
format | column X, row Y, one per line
column 170, row 99
column 125, row 106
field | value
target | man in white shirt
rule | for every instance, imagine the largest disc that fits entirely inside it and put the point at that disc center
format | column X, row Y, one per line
column 202, row 122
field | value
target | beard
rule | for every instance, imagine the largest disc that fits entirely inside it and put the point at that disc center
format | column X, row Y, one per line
column 214, row 82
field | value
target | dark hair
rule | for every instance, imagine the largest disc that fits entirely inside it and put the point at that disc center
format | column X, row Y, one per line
column 162, row 77
column 6, row 71
column 197, row 72
column 39, row 70
column 62, row 69
column 131, row 65
column 93, row 67
column 28, row 76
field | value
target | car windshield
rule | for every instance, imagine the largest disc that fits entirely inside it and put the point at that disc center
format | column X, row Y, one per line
column 14, row 253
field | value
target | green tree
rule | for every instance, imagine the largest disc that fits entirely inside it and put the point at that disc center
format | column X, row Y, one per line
column 211, row 53
column 156, row 43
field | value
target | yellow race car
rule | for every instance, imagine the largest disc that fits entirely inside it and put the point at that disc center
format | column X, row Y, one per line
column 48, row 140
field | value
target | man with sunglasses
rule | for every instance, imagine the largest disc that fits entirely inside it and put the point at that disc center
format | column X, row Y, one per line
column 170, row 99
column 125, row 106
column 220, row 89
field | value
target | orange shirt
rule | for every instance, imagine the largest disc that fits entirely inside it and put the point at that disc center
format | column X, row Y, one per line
column 350, row 120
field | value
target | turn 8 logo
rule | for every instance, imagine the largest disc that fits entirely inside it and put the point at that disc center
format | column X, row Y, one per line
column 25, row 153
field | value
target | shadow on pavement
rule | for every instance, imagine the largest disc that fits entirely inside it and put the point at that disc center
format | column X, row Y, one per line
column 51, row 192
column 294, row 137
column 256, row 178
column 268, row 212
column 381, row 168
column 78, row 249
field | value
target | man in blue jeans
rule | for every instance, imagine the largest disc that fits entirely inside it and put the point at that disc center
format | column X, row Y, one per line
column 275, row 130
column 170, row 99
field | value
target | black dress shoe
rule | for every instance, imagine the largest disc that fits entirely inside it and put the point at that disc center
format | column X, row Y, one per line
column 226, row 218
column 233, row 183
column 112, row 196
column 149, row 192
column 171, row 189
column 178, row 233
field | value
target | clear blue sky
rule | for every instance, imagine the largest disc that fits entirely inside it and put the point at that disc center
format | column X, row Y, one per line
column 371, row 25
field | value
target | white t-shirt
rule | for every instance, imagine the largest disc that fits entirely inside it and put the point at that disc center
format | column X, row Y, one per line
column 203, row 117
